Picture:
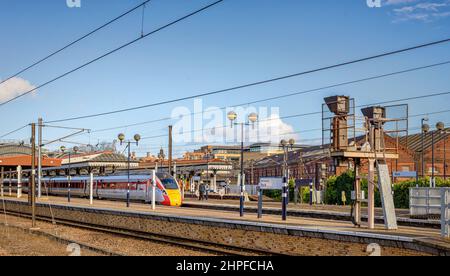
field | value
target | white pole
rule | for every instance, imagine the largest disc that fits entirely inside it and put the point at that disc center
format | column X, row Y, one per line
column 153, row 190
column 19, row 181
column 2, row 182
column 371, row 195
column 10, row 184
column 91, row 189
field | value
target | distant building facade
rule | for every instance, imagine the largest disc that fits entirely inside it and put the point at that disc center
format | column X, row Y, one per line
column 309, row 162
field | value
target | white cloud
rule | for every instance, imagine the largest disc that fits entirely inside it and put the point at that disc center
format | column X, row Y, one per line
column 397, row 2
column 13, row 88
column 423, row 11
column 268, row 130
column 272, row 130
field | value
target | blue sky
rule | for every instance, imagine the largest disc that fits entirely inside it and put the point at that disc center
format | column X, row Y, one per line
column 236, row 42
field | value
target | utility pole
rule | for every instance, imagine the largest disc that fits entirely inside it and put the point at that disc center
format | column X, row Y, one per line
column 241, row 198
column 2, row 177
column 285, row 183
column 39, row 174
column 170, row 151
column 32, row 190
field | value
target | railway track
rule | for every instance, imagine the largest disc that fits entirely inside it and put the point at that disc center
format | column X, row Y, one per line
column 200, row 246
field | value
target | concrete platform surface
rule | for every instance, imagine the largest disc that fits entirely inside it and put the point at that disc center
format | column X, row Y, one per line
column 333, row 212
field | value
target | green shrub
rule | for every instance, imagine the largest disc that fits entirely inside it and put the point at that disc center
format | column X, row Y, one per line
column 335, row 185
column 345, row 182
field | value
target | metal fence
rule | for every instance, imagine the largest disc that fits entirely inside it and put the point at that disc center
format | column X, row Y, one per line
column 425, row 202
column 445, row 212
column 236, row 189
column 431, row 203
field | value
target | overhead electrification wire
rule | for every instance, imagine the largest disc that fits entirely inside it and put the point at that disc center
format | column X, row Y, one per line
column 296, row 132
column 287, row 95
column 14, row 131
column 113, row 51
column 384, row 54
column 307, row 114
column 430, row 113
column 316, row 113
column 75, row 41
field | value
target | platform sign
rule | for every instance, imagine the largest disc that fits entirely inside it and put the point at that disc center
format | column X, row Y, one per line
column 303, row 182
column 404, row 174
column 271, row 183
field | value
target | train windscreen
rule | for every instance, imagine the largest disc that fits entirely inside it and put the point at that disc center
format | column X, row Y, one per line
column 169, row 183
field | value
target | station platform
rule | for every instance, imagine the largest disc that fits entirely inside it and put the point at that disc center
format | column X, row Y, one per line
column 321, row 211
column 295, row 225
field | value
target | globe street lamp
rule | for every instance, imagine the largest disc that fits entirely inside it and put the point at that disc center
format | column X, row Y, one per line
column 285, row 145
column 121, row 138
column 252, row 118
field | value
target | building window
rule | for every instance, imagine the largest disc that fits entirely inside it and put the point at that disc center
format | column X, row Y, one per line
column 430, row 170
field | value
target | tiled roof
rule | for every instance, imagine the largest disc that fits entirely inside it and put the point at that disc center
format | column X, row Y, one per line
column 313, row 153
column 183, row 162
column 109, row 157
column 307, row 154
column 414, row 141
column 14, row 149
column 25, row 161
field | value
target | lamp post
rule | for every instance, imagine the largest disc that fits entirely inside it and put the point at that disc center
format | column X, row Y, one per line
column 286, row 145
column 69, row 176
column 252, row 118
column 121, row 138
column 425, row 129
column 440, row 126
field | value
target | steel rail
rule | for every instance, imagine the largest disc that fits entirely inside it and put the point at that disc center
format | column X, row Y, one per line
column 191, row 244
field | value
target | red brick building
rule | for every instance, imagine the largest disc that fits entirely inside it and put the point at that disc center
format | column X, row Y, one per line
column 309, row 161
column 441, row 154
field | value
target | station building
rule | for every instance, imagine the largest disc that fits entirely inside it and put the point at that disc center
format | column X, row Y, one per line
column 419, row 143
column 310, row 161
column 97, row 162
column 13, row 155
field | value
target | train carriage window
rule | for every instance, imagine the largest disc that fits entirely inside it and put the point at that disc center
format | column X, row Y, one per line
column 169, row 183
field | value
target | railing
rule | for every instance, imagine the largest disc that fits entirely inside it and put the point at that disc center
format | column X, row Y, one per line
column 425, row 202
column 431, row 202
column 236, row 189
